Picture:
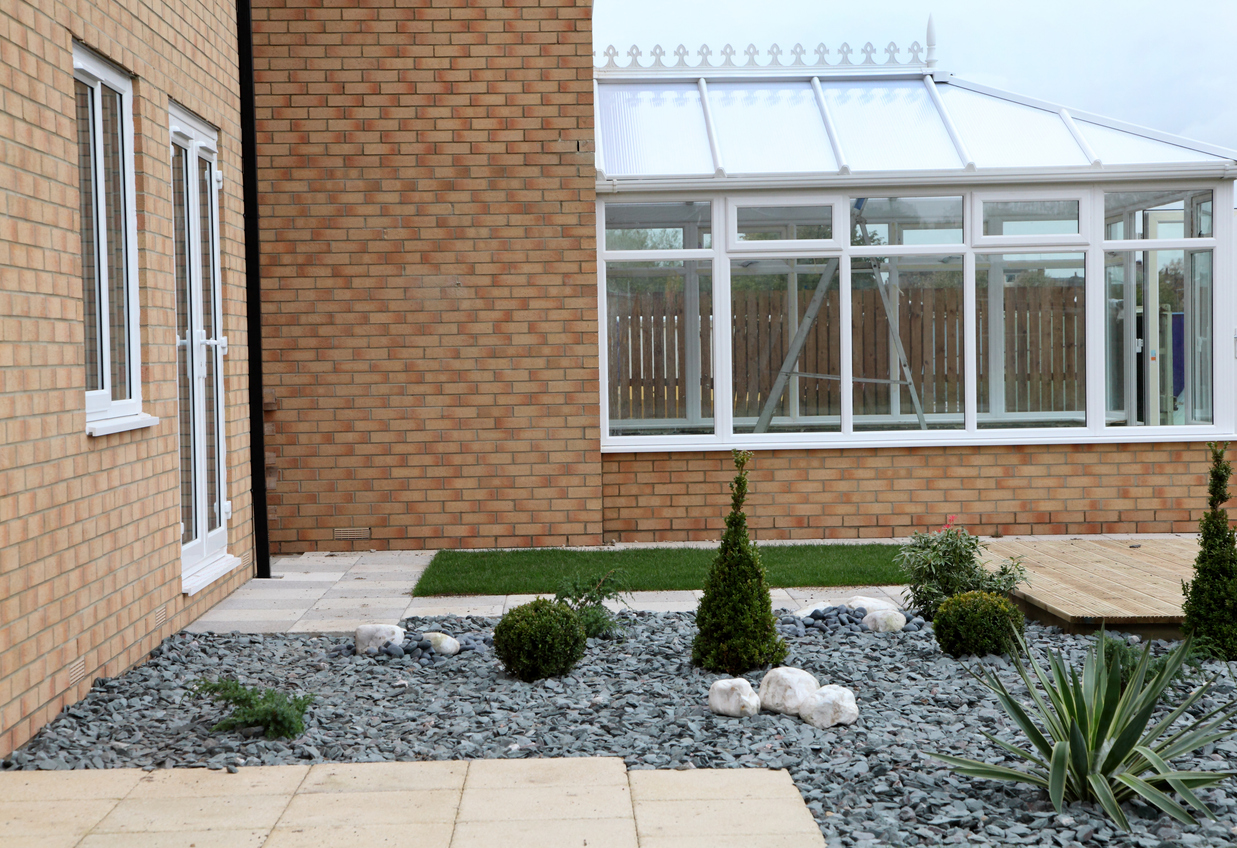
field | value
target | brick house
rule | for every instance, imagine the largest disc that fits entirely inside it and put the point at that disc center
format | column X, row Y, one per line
column 441, row 244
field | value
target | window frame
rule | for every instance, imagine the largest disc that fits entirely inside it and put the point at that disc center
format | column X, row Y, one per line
column 1085, row 223
column 1089, row 242
column 103, row 414
column 783, row 246
column 206, row 558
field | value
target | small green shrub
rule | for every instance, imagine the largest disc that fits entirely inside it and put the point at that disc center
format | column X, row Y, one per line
column 587, row 597
column 946, row 563
column 977, row 623
column 737, row 630
column 1092, row 739
column 1118, row 651
column 539, row 639
column 268, row 708
column 1210, row 605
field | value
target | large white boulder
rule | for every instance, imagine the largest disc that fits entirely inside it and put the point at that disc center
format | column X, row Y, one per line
column 376, row 635
column 734, row 697
column 443, row 645
column 829, row 705
column 870, row 604
column 884, row 621
column 783, row 689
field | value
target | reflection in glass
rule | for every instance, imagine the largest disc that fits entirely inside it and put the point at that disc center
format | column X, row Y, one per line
column 184, row 361
column 784, row 223
column 907, row 342
column 786, row 345
column 659, row 326
column 87, row 198
column 1030, row 336
column 1159, row 337
column 658, row 226
column 906, row 220
column 1031, row 218
column 114, row 220
column 1157, row 214
column 211, row 399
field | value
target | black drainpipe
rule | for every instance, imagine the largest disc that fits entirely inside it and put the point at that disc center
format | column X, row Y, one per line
column 253, row 290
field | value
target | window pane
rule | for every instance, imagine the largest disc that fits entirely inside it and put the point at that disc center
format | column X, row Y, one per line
column 1031, row 218
column 906, row 342
column 117, row 272
column 659, row 325
column 184, row 361
column 87, row 198
column 1159, row 337
column 786, row 347
column 1157, row 214
column 784, row 223
column 1030, row 340
column 906, row 220
column 658, row 226
column 214, row 389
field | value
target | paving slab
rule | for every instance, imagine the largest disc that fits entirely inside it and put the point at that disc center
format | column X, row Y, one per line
column 538, row 803
column 552, row 833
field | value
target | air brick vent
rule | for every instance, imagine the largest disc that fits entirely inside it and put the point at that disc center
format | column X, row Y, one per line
column 351, row 533
column 77, row 671
column 161, row 616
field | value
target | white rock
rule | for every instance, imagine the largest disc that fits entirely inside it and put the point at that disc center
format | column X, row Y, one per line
column 783, row 689
column 733, row 697
column 376, row 635
column 885, row 621
column 806, row 611
column 870, row 604
column 443, row 645
column 829, row 705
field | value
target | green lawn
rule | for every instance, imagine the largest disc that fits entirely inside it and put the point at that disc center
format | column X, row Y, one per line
column 661, row 569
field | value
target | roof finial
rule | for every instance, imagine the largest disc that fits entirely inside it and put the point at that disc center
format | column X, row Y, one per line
column 931, row 42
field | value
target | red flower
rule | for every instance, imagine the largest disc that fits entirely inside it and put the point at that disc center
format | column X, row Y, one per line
column 949, row 522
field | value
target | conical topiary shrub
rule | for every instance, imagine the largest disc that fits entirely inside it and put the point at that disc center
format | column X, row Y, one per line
column 1210, row 605
column 735, row 616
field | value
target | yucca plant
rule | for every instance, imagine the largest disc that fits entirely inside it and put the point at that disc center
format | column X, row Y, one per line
column 1097, row 742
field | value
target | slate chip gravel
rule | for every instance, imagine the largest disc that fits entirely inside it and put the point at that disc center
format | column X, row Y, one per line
column 639, row 699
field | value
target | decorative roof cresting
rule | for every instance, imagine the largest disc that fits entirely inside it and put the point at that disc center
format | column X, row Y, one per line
column 820, row 60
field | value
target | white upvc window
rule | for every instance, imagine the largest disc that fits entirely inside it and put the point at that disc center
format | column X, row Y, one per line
column 104, row 112
column 953, row 315
column 200, row 350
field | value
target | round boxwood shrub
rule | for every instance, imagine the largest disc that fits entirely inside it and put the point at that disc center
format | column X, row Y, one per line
column 539, row 639
column 977, row 623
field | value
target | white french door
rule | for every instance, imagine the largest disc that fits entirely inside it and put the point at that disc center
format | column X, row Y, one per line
column 200, row 346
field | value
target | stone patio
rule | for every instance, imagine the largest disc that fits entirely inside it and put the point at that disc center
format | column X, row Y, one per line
column 544, row 803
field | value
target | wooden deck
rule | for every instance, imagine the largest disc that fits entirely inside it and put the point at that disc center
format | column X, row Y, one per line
column 1126, row 583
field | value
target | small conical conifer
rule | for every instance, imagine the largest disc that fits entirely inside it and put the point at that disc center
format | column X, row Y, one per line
column 1210, row 606
column 735, row 617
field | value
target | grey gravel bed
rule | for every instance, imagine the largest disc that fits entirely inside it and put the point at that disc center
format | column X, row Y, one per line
column 639, row 699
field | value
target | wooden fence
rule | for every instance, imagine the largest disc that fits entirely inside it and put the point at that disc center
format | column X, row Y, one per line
column 648, row 336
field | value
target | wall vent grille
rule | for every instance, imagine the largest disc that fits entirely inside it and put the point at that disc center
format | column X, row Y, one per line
column 77, row 671
column 351, row 533
column 246, row 559
column 161, row 616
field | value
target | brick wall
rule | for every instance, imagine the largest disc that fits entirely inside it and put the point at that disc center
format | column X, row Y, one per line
column 429, row 285
column 89, row 527
column 879, row 493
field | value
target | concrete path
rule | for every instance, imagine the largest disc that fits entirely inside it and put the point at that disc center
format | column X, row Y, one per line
column 333, row 593
column 457, row 804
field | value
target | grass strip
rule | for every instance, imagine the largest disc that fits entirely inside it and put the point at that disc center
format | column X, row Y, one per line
column 651, row 569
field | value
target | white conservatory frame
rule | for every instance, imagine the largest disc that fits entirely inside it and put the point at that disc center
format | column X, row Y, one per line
column 1085, row 183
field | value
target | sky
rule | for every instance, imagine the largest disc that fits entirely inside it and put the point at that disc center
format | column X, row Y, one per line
column 1169, row 65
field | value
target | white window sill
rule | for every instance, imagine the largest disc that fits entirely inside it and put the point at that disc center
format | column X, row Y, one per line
column 206, row 573
column 108, row 426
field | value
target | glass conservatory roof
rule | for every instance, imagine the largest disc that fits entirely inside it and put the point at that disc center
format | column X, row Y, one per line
column 662, row 120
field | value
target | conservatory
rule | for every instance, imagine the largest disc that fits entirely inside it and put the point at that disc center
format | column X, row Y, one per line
column 824, row 253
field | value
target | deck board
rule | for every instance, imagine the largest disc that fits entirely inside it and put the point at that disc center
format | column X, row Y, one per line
column 1119, row 581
